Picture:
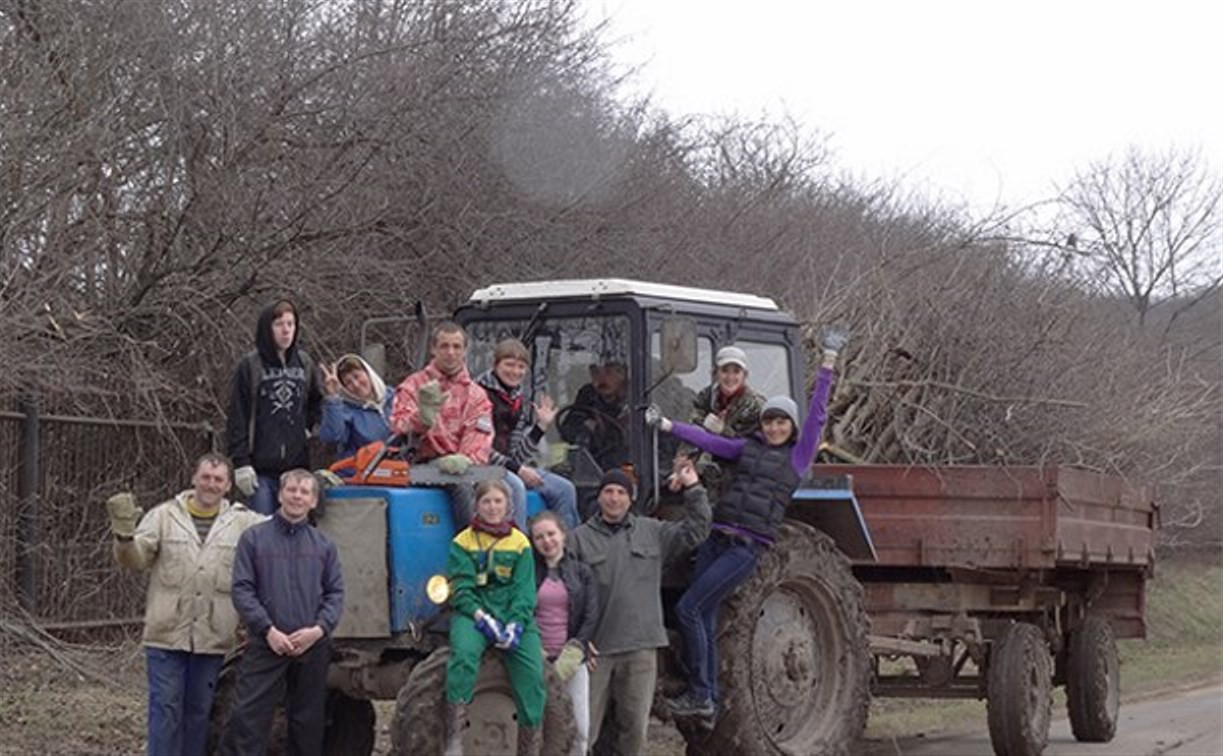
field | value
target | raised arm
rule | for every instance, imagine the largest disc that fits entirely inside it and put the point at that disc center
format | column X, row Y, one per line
column 833, row 341
column 803, row 453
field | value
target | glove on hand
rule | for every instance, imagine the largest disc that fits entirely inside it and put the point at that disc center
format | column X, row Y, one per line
column 713, row 423
column 246, row 480
column 654, row 418
column 327, row 479
column 833, row 339
column 124, row 514
column 454, row 464
column 568, row 662
column 511, row 637
column 429, row 399
column 490, row 628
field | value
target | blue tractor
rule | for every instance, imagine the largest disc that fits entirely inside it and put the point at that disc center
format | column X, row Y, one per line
column 794, row 644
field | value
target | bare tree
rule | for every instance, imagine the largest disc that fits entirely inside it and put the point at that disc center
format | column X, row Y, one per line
column 1146, row 227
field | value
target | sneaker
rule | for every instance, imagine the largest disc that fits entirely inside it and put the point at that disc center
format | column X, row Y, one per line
column 689, row 705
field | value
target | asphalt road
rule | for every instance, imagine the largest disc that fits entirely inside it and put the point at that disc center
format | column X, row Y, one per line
column 1187, row 724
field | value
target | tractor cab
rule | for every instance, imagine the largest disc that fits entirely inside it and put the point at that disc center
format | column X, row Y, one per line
column 604, row 349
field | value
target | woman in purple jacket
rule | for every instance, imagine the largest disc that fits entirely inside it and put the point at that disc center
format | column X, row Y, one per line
column 767, row 467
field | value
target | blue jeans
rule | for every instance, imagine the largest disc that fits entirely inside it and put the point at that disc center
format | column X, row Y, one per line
column 558, row 494
column 264, row 499
column 181, row 685
column 722, row 564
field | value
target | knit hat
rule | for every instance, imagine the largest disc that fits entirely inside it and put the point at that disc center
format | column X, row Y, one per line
column 617, row 477
column 729, row 355
column 507, row 349
column 784, row 405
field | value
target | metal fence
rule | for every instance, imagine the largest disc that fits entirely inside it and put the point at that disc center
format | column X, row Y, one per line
column 55, row 474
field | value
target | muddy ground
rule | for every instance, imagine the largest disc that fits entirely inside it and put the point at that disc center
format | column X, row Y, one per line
column 92, row 701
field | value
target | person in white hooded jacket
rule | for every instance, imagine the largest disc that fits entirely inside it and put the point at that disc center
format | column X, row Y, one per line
column 357, row 406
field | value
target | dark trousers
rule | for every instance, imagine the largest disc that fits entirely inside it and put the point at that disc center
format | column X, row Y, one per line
column 722, row 564
column 263, row 679
column 181, row 685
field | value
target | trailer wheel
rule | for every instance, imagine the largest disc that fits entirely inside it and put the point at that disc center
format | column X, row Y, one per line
column 1019, row 691
column 420, row 711
column 793, row 655
column 1093, row 681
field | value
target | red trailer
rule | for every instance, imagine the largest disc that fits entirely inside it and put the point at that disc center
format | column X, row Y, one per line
column 1000, row 583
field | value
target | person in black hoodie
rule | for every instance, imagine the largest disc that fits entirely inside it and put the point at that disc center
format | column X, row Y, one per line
column 275, row 398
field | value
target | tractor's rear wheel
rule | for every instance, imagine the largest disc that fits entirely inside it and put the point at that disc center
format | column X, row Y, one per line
column 793, row 655
column 1093, row 681
column 1019, row 685
column 491, row 726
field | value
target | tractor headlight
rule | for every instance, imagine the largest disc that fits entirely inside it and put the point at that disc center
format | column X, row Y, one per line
column 438, row 589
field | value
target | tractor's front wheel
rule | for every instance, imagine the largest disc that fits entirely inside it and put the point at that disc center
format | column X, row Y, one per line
column 349, row 727
column 491, row 723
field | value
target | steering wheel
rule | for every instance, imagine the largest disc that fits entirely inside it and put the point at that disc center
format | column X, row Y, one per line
column 610, row 429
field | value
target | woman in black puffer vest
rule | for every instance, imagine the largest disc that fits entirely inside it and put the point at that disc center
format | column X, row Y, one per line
column 767, row 467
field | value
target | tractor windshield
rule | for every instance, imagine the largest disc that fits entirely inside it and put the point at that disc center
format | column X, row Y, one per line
column 584, row 365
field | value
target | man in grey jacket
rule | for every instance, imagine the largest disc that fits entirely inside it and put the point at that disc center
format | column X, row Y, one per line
column 627, row 552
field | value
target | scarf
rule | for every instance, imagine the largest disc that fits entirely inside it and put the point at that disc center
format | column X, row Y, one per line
column 725, row 400
column 501, row 529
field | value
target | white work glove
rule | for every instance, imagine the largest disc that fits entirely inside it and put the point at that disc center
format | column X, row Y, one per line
column 246, row 480
column 714, row 424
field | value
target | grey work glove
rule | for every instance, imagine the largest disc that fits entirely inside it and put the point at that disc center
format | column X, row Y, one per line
column 454, row 464
column 327, row 479
column 246, row 480
column 654, row 418
column 124, row 514
column 833, row 340
column 429, row 400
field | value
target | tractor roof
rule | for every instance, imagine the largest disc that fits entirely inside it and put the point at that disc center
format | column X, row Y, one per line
column 599, row 288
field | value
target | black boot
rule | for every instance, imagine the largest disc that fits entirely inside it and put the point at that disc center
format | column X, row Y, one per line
column 530, row 741
column 456, row 717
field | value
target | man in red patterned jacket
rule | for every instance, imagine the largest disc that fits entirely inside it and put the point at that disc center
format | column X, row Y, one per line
column 450, row 414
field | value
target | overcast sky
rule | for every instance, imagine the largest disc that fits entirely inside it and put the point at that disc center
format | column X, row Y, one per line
column 976, row 101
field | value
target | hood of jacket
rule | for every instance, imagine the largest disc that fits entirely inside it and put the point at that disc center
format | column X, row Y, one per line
column 375, row 382
column 265, row 342
column 488, row 379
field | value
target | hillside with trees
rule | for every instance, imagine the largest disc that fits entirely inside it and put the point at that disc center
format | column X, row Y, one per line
column 166, row 168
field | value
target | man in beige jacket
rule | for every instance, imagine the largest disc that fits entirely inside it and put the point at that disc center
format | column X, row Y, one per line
column 187, row 545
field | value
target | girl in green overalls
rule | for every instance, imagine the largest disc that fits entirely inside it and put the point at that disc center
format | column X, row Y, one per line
column 492, row 576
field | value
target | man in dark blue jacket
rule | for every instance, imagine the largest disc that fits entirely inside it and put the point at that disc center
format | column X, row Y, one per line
column 275, row 399
column 289, row 593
